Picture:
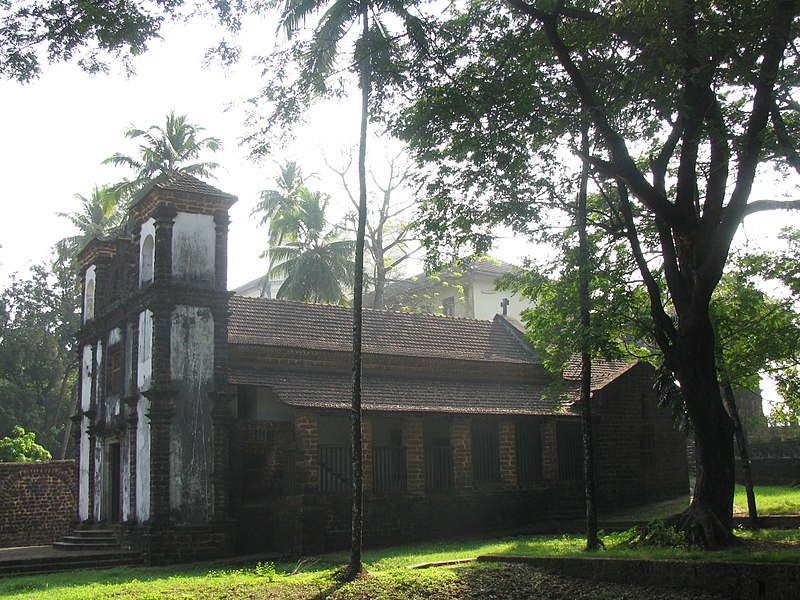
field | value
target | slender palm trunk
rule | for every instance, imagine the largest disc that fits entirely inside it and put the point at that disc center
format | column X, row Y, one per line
column 592, row 541
column 358, row 471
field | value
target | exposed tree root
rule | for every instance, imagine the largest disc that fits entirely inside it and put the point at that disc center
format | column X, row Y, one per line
column 702, row 528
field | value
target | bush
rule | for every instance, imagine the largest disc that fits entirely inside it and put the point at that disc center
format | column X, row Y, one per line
column 656, row 533
column 22, row 447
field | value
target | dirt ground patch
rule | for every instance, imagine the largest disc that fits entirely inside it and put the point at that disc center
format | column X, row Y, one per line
column 509, row 582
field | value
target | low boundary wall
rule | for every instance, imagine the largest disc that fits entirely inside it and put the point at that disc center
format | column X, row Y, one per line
column 734, row 580
column 38, row 502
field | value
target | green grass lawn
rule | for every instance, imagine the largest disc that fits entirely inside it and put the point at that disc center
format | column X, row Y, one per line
column 389, row 577
column 770, row 500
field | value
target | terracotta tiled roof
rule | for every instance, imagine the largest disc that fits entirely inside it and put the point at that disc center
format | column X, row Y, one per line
column 280, row 323
column 181, row 182
column 603, row 371
column 316, row 390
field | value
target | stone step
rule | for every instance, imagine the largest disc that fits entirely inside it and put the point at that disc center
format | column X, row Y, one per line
column 77, row 543
column 88, row 539
column 68, row 562
column 95, row 532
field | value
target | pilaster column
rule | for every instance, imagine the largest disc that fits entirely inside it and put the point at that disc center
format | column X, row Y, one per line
column 415, row 455
column 77, row 421
column 221, row 221
column 549, row 450
column 222, row 420
column 508, row 455
column 90, row 416
column 366, row 453
column 460, row 439
column 308, row 445
column 162, row 410
column 164, row 221
column 133, row 424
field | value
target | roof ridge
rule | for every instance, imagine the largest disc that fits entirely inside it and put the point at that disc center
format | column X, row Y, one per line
column 387, row 311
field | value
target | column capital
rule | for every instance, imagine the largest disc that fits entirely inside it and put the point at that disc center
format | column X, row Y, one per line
column 162, row 401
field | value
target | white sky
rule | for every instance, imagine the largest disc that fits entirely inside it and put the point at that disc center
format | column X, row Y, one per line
column 58, row 129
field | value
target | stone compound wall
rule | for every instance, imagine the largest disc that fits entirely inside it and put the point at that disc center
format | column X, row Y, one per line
column 733, row 580
column 38, row 502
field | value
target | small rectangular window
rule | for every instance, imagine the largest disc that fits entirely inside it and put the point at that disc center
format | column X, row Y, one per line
column 449, row 307
column 114, row 370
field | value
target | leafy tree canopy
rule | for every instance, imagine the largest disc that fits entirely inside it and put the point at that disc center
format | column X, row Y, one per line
column 688, row 103
column 38, row 364
column 86, row 31
column 22, row 447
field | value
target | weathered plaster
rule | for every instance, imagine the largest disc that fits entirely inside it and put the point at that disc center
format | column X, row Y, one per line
column 98, row 478
column 147, row 253
column 191, row 450
column 143, row 461
column 86, row 396
column 193, row 247
column 145, row 359
column 89, row 293
column 97, row 449
column 143, row 376
column 126, row 478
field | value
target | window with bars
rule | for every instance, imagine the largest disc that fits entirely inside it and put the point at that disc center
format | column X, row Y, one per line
column 570, row 450
column 335, row 469
column 335, row 454
column 485, row 451
column 438, row 455
column 529, row 451
column 439, row 467
column 388, row 458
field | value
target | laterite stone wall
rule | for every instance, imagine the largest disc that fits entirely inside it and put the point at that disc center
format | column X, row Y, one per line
column 38, row 502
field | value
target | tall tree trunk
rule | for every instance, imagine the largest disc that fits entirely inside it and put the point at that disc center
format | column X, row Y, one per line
column 380, row 282
column 592, row 541
column 357, row 525
column 709, row 519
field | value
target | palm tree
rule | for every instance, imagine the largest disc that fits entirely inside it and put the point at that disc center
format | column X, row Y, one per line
column 320, row 61
column 316, row 262
column 166, row 150
column 274, row 203
column 100, row 213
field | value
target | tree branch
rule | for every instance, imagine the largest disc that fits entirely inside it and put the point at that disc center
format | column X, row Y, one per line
column 768, row 204
column 775, row 45
column 784, row 141
column 624, row 165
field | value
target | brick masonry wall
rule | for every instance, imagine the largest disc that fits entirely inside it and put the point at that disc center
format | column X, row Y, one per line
column 640, row 457
column 38, row 503
column 311, row 523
